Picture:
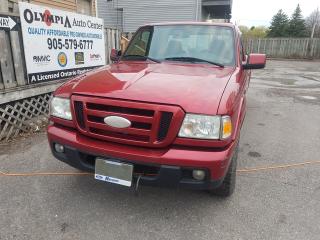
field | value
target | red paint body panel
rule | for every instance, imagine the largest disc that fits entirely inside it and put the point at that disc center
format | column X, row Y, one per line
column 174, row 87
column 257, row 59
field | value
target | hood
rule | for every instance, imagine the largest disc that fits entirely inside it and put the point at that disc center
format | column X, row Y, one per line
column 197, row 88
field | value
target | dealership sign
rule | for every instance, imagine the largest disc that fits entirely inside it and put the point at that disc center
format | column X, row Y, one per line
column 59, row 44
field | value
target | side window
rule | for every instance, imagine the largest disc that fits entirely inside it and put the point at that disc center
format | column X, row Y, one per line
column 145, row 36
column 140, row 43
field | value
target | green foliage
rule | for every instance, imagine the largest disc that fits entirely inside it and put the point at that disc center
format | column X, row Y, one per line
column 282, row 26
column 244, row 30
column 279, row 25
column 258, row 32
column 297, row 25
column 254, row 32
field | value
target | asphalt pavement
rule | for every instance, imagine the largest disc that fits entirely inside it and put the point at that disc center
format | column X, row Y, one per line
column 282, row 127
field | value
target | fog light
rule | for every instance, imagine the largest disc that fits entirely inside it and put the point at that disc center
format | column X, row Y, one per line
column 59, row 148
column 198, row 174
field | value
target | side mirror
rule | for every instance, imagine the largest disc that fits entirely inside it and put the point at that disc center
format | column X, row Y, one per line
column 115, row 55
column 255, row 61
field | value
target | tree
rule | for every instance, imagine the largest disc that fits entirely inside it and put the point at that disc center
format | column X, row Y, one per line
column 297, row 25
column 254, row 32
column 279, row 25
column 258, row 32
column 244, row 30
column 313, row 23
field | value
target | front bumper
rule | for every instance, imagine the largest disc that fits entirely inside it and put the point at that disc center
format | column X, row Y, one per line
column 170, row 167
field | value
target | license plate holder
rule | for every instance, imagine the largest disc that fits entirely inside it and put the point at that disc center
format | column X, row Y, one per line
column 113, row 171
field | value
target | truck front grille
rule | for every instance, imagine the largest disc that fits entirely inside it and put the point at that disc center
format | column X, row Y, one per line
column 152, row 125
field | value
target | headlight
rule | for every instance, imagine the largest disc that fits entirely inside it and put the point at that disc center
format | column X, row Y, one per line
column 206, row 127
column 60, row 107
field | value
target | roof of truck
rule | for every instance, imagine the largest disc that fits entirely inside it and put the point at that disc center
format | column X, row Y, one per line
column 192, row 23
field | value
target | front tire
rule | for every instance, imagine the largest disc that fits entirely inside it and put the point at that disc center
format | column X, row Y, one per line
column 227, row 187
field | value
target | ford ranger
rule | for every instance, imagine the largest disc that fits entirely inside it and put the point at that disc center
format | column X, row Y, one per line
column 167, row 112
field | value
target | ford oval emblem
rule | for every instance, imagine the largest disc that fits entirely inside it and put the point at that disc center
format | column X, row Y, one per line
column 117, row 122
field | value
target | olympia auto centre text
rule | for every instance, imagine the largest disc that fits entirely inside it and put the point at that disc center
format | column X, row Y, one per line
column 46, row 17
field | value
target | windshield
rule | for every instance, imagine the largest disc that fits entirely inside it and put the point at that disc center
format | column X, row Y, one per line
column 187, row 43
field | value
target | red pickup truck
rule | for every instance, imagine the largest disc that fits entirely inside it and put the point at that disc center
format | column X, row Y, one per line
column 167, row 112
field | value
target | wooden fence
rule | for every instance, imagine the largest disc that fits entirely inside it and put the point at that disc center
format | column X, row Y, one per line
column 299, row 48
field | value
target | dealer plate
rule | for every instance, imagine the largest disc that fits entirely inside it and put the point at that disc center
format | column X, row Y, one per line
column 113, row 172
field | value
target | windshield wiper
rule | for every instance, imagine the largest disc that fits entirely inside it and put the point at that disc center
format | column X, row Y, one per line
column 142, row 57
column 193, row 59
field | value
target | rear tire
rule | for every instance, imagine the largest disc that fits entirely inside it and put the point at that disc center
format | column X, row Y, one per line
column 227, row 187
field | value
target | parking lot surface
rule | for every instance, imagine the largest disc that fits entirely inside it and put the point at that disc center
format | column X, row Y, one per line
column 282, row 127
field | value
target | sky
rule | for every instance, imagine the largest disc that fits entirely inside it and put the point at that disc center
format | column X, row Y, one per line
column 258, row 12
